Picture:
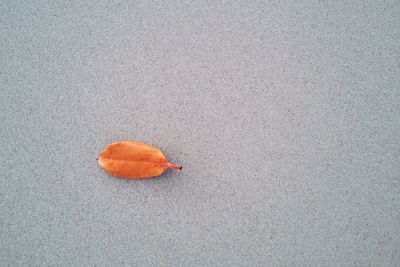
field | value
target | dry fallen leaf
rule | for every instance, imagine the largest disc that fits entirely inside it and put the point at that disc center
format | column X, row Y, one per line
column 128, row 159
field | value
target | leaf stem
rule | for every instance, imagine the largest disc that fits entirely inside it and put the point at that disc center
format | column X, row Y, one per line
column 174, row 166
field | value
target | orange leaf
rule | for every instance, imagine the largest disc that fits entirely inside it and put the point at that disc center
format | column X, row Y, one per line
column 128, row 159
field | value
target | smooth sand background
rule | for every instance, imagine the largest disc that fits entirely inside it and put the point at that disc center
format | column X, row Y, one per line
column 285, row 116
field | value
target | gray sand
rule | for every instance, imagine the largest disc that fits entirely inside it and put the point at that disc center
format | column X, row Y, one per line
column 285, row 116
